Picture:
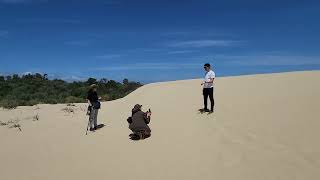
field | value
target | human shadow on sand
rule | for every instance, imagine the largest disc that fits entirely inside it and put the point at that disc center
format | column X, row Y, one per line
column 99, row 126
column 202, row 111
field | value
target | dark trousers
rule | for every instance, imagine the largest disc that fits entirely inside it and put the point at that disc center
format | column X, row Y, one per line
column 208, row 92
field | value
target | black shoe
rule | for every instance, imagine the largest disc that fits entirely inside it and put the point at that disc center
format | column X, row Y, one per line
column 204, row 110
column 134, row 137
column 141, row 135
column 92, row 129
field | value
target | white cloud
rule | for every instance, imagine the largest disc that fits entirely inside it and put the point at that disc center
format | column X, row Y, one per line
column 12, row 1
column 197, row 33
column 181, row 52
column 49, row 20
column 269, row 60
column 4, row 33
column 27, row 73
column 20, row 1
column 73, row 78
column 77, row 43
column 205, row 43
column 147, row 50
column 111, row 2
column 109, row 56
column 150, row 66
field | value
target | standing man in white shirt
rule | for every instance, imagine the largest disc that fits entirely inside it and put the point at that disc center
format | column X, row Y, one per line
column 208, row 88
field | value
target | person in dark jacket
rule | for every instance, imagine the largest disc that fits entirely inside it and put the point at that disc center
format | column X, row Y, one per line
column 94, row 106
column 138, row 123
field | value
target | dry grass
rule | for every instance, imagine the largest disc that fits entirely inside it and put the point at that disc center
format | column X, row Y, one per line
column 16, row 126
column 12, row 124
column 36, row 117
column 3, row 123
column 83, row 109
column 68, row 110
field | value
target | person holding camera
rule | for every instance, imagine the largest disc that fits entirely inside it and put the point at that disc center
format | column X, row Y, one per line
column 138, row 123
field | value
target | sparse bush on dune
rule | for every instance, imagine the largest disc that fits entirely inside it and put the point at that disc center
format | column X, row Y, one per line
column 9, row 103
column 105, row 97
column 33, row 89
column 16, row 126
column 12, row 124
column 32, row 102
column 36, row 117
column 71, row 104
column 68, row 110
column 73, row 99
column 3, row 123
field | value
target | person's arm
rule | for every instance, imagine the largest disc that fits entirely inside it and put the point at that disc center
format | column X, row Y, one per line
column 147, row 117
column 210, row 80
column 89, row 102
column 88, row 99
column 129, row 120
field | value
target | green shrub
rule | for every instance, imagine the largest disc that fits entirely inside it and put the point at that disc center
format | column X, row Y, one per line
column 32, row 102
column 105, row 97
column 73, row 99
column 29, row 90
column 9, row 103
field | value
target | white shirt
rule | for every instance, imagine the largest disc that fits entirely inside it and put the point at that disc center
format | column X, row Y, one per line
column 209, row 75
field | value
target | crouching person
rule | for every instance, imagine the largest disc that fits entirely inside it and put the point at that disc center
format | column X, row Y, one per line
column 138, row 123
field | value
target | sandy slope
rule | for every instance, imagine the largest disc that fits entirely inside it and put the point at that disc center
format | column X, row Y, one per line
column 264, row 127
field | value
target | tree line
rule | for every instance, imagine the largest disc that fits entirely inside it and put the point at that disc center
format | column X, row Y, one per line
column 32, row 89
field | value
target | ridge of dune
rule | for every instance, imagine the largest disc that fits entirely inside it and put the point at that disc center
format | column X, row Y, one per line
column 264, row 127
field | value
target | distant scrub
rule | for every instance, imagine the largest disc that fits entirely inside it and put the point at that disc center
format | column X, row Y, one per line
column 32, row 89
column 9, row 104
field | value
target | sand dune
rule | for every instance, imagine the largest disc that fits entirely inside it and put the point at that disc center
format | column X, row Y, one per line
column 264, row 127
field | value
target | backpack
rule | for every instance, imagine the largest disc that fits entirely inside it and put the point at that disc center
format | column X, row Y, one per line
column 96, row 105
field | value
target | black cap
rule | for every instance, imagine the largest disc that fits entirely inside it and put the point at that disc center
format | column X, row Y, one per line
column 137, row 106
column 207, row 65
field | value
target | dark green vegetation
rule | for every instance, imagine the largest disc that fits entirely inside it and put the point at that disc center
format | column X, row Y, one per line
column 35, row 89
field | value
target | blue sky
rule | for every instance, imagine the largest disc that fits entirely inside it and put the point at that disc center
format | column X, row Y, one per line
column 149, row 40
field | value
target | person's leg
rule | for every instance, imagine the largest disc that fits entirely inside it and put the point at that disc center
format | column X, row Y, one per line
column 89, row 110
column 147, row 133
column 135, row 135
column 92, row 118
column 205, row 98
column 95, row 121
column 211, row 98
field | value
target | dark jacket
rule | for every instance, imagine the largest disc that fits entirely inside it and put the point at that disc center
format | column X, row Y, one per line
column 139, row 121
column 94, row 100
column 92, row 96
